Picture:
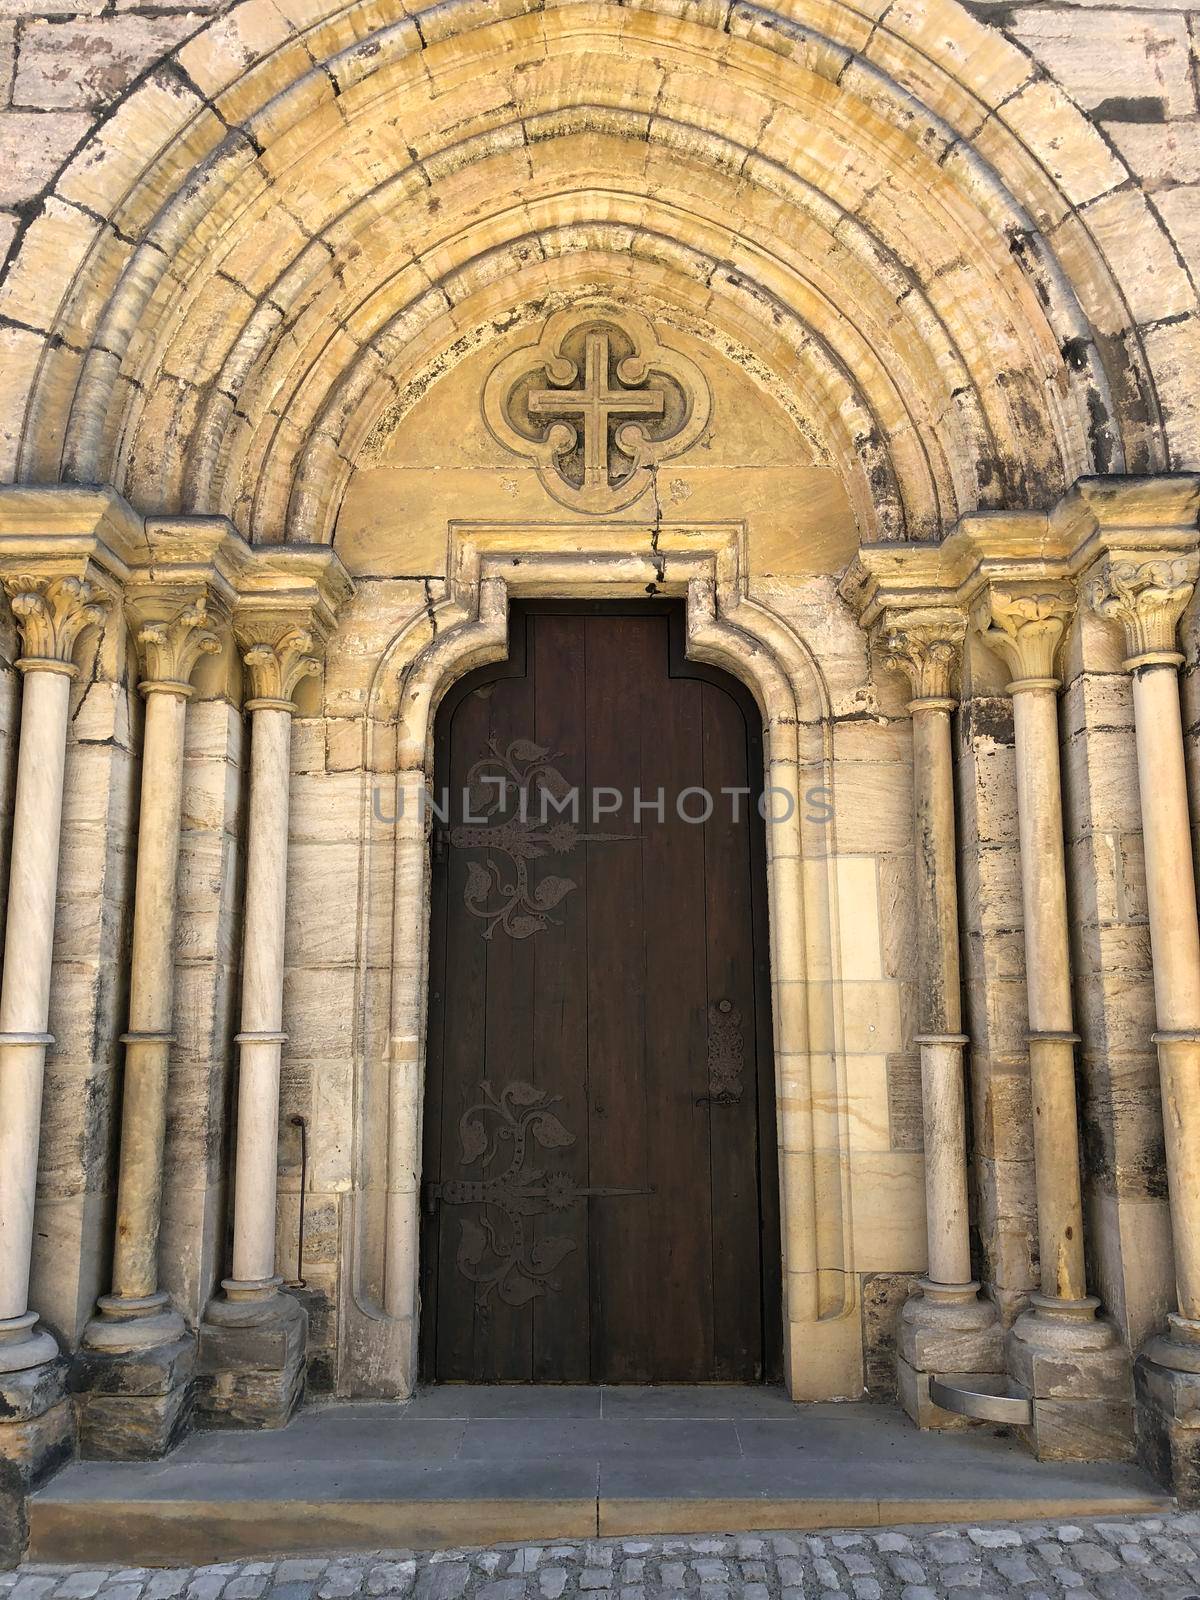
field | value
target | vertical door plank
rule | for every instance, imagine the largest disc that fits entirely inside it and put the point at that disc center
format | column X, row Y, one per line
column 503, row 1350
column 560, row 1315
column 738, row 1352
column 619, row 654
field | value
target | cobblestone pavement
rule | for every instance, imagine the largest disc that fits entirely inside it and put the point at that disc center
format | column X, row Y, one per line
column 1121, row 1559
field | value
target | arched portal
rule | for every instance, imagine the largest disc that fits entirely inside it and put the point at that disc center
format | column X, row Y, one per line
column 599, row 1188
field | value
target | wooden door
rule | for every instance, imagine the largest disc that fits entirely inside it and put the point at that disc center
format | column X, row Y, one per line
column 600, row 1193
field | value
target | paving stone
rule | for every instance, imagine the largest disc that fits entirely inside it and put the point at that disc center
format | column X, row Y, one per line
column 908, row 1570
column 526, row 1559
column 672, row 1574
column 963, row 1575
column 397, row 1577
column 994, row 1538
column 338, row 1583
column 595, row 1578
column 443, row 1582
column 1016, row 1569
column 552, row 1581
column 247, row 1586
column 1090, row 1557
column 81, row 1585
column 165, row 1585
column 502, row 1589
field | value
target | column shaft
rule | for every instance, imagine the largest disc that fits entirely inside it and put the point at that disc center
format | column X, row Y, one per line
column 144, row 1107
column 28, row 952
column 1175, row 942
column 940, row 1001
column 262, row 998
column 1048, row 979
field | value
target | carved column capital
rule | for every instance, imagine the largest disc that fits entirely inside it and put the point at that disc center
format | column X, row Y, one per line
column 171, row 637
column 277, row 655
column 52, row 614
column 1024, row 624
column 1147, row 597
column 926, row 645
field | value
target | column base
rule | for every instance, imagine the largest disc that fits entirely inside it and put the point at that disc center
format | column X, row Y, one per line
column 133, row 1380
column 37, row 1436
column 1078, row 1378
column 945, row 1328
column 250, row 1364
column 1167, row 1386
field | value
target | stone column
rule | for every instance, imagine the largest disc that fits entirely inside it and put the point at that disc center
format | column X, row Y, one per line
column 1071, row 1366
column 253, row 1342
column 52, row 614
column 1148, row 597
column 945, row 1328
column 135, row 1367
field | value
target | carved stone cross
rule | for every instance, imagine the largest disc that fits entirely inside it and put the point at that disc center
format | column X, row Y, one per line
column 596, row 403
column 556, row 402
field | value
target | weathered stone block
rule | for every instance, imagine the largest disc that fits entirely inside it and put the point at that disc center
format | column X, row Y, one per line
column 132, row 1427
column 250, row 1374
column 154, row 1371
column 32, row 1446
column 973, row 1342
column 1168, row 1426
column 1079, row 1430
column 913, row 1393
column 1060, row 1372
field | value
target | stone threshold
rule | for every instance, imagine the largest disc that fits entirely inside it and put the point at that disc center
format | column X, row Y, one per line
column 484, row 1466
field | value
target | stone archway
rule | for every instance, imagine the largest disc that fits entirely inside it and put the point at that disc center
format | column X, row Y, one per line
column 468, row 628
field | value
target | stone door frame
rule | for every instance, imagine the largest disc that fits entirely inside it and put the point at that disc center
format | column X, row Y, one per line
column 464, row 627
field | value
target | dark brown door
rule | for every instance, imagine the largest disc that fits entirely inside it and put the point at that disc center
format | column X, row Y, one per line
column 599, row 1194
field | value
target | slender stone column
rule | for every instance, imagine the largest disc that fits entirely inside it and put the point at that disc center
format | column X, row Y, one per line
column 135, row 1404
column 52, row 614
column 1148, row 597
column 262, row 1388
column 945, row 1328
column 1072, row 1366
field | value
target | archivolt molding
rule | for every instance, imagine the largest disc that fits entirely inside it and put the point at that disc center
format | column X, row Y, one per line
column 1009, row 322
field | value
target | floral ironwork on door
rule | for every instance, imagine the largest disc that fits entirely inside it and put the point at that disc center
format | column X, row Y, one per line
column 497, row 1249
column 498, row 892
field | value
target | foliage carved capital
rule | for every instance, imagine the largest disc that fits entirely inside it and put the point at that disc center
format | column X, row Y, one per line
column 277, row 655
column 52, row 615
column 1024, row 624
column 925, row 645
column 1147, row 597
column 169, row 647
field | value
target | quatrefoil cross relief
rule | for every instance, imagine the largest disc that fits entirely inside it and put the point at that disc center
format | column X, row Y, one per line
column 596, row 404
